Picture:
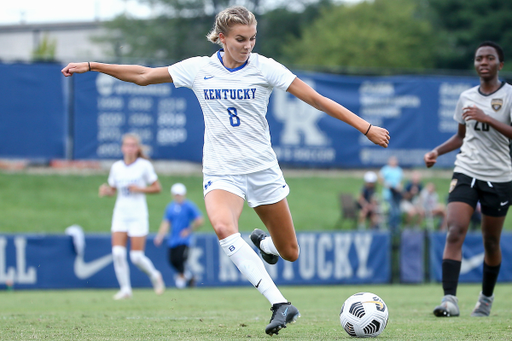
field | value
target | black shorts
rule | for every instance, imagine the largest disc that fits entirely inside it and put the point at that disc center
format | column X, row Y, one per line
column 495, row 197
column 177, row 257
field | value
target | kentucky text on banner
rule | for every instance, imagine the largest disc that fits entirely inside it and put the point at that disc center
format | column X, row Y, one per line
column 38, row 261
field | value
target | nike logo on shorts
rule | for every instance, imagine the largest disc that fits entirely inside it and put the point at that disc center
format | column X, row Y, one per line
column 210, row 77
column 504, row 203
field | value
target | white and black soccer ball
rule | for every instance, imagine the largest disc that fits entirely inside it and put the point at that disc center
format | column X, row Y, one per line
column 364, row 315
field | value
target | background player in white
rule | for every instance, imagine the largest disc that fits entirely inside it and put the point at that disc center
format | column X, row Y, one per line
column 483, row 172
column 233, row 87
column 131, row 178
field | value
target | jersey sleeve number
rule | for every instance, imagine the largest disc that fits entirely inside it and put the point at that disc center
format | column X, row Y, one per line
column 233, row 117
column 481, row 126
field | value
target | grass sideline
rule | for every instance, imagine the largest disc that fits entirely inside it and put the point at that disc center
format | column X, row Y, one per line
column 42, row 203
column 35, row 203
column 240, row 314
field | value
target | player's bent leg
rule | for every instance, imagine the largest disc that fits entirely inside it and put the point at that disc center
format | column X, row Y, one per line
column 145, row 265
column 458, row 218
column 278, row 220
column 223, row 209
column 140, row 260
column 491, row 234
column 267, row 248
column 251, row 266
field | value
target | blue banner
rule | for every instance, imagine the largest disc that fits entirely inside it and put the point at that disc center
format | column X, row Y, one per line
column 168, row 120
column 39, row 261
column 33, row 114
column 412, row 248
column 417, row 110
column 472, row 257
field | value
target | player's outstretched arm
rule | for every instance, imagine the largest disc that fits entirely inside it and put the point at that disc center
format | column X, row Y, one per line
column 140, row 75
column 304, row 92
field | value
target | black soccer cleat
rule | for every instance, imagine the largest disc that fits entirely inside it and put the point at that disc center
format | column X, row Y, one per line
column 282, row 314
column 256, row 237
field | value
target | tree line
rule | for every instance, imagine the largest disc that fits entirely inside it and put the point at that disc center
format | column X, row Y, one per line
column 405, row 35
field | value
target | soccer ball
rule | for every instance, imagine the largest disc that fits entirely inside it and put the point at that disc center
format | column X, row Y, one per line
column 364, row 315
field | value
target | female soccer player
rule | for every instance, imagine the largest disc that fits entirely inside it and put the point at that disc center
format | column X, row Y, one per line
column 131, row 178
column 233, row 87
column 483, row 172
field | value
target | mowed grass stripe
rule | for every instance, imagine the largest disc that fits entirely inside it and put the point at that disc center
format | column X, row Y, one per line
column 50, row 203
column 240, row 314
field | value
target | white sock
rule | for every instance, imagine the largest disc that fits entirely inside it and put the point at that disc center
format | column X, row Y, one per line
column 251, row 266
column 144, row 263
column 267, row 245
column 121, row 268
column 181, row 282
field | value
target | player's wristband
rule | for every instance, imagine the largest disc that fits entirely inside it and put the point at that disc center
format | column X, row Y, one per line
column 368, row 129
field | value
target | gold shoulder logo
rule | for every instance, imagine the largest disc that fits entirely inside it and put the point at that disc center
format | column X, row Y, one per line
column 496, row 104
column 452, row 185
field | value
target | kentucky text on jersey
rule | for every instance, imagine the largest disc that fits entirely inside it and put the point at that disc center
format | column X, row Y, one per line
column 231, row 93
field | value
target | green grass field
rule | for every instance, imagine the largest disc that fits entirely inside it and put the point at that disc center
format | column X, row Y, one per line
column 31, row 203
column 240, row 314
column 50, row 203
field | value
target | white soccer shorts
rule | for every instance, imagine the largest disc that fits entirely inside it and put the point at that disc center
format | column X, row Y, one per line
column 260, row 188
column 135, row 227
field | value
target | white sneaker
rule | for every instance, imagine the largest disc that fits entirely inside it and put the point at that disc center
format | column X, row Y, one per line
column 122, row 295
column 181, row 282
column 158, row 283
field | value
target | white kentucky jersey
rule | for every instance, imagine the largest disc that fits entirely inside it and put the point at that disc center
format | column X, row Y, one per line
column 140, row 173
column 234, row 104
column 485, row 153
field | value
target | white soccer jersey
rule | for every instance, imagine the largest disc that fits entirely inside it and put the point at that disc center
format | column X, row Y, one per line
column 485, row 153
column 234, row 104
column 141, row 173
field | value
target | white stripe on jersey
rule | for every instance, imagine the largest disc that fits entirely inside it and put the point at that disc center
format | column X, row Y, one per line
column 234, row 104
column 485, row 152
column 140, row 173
